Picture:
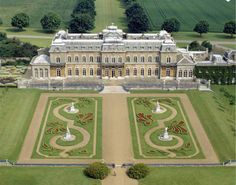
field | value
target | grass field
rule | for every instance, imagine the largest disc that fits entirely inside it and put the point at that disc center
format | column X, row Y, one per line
column 36, row 9
column 44, row 176
column 109, row 11
column 217, row 117
column 190, row 176
column 16, row 111
column 230, row 46
column 189, row 12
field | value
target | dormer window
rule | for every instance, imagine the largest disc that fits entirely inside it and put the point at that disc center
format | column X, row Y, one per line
column 58, row 60
column 168, row 60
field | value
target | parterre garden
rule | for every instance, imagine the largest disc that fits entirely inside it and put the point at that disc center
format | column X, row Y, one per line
column 147, row 126
column 85, row 125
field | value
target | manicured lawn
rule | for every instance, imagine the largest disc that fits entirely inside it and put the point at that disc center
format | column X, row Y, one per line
column 190, row 176
column 230, row 46
column 36, row 9
column 44, row 176
column 109, row 11
column 16, row 111
column 38, row 42
column 217, row 117
column 189, row 12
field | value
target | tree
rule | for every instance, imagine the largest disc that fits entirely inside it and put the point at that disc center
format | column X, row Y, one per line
column 97, row 170
column 81, row 24
column 230, row 28
column 138, row 171
column 50, row 22
column 3, row 36
column 133, row 10
column 207, row 45
column 171, row 25
column 20, row 21
column 1, row 21
column 201, row 27
column 138, row 24
column 85, row 6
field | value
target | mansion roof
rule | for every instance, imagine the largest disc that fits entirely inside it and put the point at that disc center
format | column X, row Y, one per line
column 112, row 39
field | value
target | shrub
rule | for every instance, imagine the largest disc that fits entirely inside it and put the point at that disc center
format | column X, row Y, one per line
column 138, row 171
column 97, row 170
column 1, row 21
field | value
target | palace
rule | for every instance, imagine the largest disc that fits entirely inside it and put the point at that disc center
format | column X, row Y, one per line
column 113, row 54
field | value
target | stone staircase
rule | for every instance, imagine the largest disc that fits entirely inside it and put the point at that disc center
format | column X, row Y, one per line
column 113, row 89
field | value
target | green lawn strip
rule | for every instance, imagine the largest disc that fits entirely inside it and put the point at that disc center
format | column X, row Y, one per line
column 17, row 107
column 190, row 176
column 230, row 46
column 83, row 109
column 44, row 43
column 188, row 147
column 45, row 176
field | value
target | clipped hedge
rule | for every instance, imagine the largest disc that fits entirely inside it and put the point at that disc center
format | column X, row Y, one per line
column 97, row 170
column 138, row 171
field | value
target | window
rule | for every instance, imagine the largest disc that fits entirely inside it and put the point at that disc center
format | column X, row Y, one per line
column 98, row 72
column 41, row 73
column 106, row 72
column 135, row 71
column 84, row 59
column 36, row 73
column 77, row 71
column 120, row 59
column 142, row 72
column 157, row 58
column 91, row 72
column 190, row 73
column 135, row 59
column 69, row 72
column 127, row 72
column 84, row 72
column 58, row 60
column 46, row 73
column 149, row 72
column 119, row 72
column 142, row 59
column 91, row 59
column 98, row 59
column 156, row 72
column 168, row 60
column 128, row 59
column 167, row 72
column 113, row 60
column 180, row 73
column 185, row 73
column 106, row 59
column 58, row 72
column 76, row 59
column 69, row 59
column 149, row 59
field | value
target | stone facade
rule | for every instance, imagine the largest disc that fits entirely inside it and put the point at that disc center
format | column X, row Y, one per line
column 113, row 54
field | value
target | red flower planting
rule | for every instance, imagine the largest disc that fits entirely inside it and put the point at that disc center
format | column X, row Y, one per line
column 145, row 119
column 178, row 128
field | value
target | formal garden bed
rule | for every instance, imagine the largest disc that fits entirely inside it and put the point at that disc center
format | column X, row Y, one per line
column 84, row 125
column 147, row 126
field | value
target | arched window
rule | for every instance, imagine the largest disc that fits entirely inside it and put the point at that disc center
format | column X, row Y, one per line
column 142, row 72
column 135, row 71
column 120, row 59
column 58, row 72
column 119, row 72
column 84, row 72
column 190, row 74
column 69, row 72
column 106, row 59
column 58, row 60
column 149, row 59
column 98, row 72
column 135, row 59
column 156, row 72
column 41, row 73
column 180, row 73
column 149, row 72
column 46, row 73
column 128, row 59
column 36, row 73
column 69, row 59
column 113, row 60
column 91, row 72
column 168, row 60
column 127, row 72
column 142, row 59
column 84, row 58
column 77, row 71
column 98, row 59
column 157, row 58
column 76, row 59
column 167, row 72
column 185, row 73
column 91, row 59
